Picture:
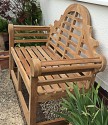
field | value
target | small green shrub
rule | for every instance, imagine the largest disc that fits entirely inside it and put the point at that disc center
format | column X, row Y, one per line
column 84, row 108
column 21, row 12
column 3, row 25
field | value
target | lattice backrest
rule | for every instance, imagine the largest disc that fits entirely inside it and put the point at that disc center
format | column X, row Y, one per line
column 70, row 35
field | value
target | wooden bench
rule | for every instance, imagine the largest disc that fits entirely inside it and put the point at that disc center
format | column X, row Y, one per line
column 46, row 71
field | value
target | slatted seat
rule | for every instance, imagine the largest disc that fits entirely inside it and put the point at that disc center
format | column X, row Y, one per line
column 69, row 57
column 26, row 53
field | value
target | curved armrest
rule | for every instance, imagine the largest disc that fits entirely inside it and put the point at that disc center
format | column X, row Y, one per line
column 64, row 66
column 71, row 61
column 35, row 67
column 71, row 66
column 104, row 63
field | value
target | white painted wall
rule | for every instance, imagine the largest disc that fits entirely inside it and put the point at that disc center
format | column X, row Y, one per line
column 52, row 9
column 99, row 2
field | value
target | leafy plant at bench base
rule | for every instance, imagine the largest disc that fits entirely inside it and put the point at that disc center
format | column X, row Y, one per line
column 84, row 108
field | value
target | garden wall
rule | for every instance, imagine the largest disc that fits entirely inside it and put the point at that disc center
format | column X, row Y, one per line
column 52, row 9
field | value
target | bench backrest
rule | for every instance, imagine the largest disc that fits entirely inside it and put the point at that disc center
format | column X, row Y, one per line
column 70, row 36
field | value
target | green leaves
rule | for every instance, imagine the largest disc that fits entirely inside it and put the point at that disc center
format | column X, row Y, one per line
column 84, row 108
column 22, row 12
column 3, row 25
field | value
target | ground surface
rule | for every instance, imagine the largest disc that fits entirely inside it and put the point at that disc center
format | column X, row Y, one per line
column 10, row 111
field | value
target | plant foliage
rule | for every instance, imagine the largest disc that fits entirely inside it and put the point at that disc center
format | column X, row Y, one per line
column 3, row 25
column 84, row 108
column 21, row 11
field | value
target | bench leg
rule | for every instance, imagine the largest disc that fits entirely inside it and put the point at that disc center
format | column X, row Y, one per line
column 92, row 80
column 19, row 80
column 11, row 64
column 33, row 102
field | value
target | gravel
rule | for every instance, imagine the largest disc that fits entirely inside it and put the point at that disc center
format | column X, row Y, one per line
column 10, row 111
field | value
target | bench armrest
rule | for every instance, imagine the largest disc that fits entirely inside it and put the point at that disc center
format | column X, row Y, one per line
column 64, row 66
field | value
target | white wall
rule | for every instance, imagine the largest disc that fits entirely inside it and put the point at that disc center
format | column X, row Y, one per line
column 52, row 9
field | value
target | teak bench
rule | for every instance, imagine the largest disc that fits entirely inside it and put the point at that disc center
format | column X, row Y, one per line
column 46, row 71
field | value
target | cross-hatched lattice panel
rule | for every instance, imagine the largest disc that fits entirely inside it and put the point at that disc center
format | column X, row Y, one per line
column 68, row 35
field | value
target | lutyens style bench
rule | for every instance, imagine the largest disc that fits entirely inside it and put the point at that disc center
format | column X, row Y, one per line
column 46, row 71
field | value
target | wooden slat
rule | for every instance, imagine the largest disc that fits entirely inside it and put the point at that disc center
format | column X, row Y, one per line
column 80, row 84
column 33, row 97
column 51, row 54
column 54, row 96
column 70, row 33
column 74, row 18
column 19, row 80
column 11, row 44
column 86, row 52
column 30, row 34
column 43, row 53
column 72, row 43
column 52, row 44
column 55, row 81
column 55, row 57
column 47, row 88
column 38, row 54
column 77, row 28
column 23, row 60
column 55, row 86
column 59, row 50
column 59, row 121
column 27, row 27
column 31, row 53
column 61, row 84
column 21, row 69
column 53, row 38
column 64, row 30
column 21, row 98
column 63, row 37
column 27, row 56
column 74, row 35
column 40, row 90
column 71, row 61
column 73, row 68
column 73, row 53
column 30, row 41
column 4, row 57
column 67, row 23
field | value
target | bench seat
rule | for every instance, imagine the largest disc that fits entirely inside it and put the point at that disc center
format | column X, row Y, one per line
column 25, row 54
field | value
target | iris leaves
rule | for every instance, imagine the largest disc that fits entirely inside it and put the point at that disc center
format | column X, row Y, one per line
column 84, row 108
